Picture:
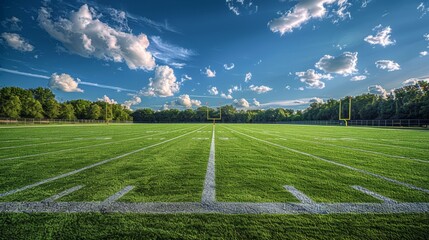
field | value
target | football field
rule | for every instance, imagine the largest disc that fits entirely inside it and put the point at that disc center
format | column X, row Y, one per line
column 262, row 176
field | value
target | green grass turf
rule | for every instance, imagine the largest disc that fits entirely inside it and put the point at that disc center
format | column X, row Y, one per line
column 247, row 170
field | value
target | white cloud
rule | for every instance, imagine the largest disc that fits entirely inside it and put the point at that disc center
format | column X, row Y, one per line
column 260, row 89
column 87, row 36
column 313, row 79
column 424, row 53
column 226, row 96
column 108, row 100
column 228, row 66
column 133, row 101
column 16, row 42
column 287, row 87
column 210, row 73
column 169, row 53
column 302, row 88
column 256, row 102
column 377, row 90
column 381, row 38
column 248, row 77
column 358, row 78
column 64, row 82
column 345, row 64
column 185, row 78
column 239, row 6
column 365, row 3
column 426, row 36
column 422, row 8
column 241, row 103
column 315, row 100
column 213, row 91
column 304, row 11
column 186, row 101
column 12, row 24
column 163, row 84
column 388, row 65
column 414, row 81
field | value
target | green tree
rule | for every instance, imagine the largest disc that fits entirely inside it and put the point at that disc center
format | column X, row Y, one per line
column 11, row 107
column 67, row 111
column 32, row 108
column 52, row 108
column 94, row 112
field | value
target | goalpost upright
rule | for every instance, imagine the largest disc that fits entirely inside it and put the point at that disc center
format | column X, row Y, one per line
column 349, row 115
column 214, row 118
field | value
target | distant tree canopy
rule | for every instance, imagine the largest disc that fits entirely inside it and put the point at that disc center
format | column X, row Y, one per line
column 409, row 102
column 41, row 103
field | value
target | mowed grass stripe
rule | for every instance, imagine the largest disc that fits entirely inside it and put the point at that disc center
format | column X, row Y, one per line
column 90, row 166
column 408, row 171
column 339, row 164
column 26, row 171
column 171, row 172
column 248, row 171
column 115, row 141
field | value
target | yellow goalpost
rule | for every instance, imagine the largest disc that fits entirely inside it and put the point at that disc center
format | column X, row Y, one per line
column 214, row 118
column 349, row 115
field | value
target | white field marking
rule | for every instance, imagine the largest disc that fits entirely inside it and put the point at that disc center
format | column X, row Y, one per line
column 209, row 190
column 90, row 146
column 200, row 138
column 65, row 125
column 351, row 148
column 118, row 195
column 410, row 186
column 299, row 195
column 374, row 195
column 216, row 207
column 62, row 194
column 92, row 165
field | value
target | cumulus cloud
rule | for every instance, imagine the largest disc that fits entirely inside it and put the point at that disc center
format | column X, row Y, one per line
column 16, row 42
column 209, row 73
column 260, row 89
column 228, row 66
column 185, row 78
column 108, row 100
column 304, row 11
column 226, row 96
column 414, row 81
column 313, row 79
column 239, row 6
column 87, row 36
column 358, row 78
column 256, row 102
column 241, row 103
column 345, row 64
column 423, row 53
column 64, row 82
column 388, row 65
column 185, row 101
column 315, row 100
column 163, row 84
column 133, row 101
column 12, row 24
column 422, row 9
column 248, row 77
column 426, row 36
column 382, row 37
column 377, row 90
column 213, row 91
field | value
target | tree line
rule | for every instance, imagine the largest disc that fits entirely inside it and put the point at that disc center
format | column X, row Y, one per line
column 408, row 102
column 41, row 103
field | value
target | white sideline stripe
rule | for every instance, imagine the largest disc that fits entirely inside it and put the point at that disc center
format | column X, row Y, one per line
column 351, row 148
column 91, row 166
column 62, row 194
column 118, row 195
column 90, row 146
column 374, row 195
column 338, row 164
column 37, row 144
column 299, row 195
column 209, row 191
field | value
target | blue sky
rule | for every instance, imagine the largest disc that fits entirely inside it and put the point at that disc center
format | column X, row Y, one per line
column 181, row 54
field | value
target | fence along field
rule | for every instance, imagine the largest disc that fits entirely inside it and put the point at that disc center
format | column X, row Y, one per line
column 204, row 168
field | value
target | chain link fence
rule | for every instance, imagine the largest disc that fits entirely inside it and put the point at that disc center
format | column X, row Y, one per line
column 376, row 123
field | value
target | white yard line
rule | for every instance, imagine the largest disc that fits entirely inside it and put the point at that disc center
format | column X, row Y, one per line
column 299, row 195
column 89, row 146
column 336, row 163
column 92, row 165
column 209, row 191
column 62, row 194
column 118, row 195
column 345, row 147
column 374, row 195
